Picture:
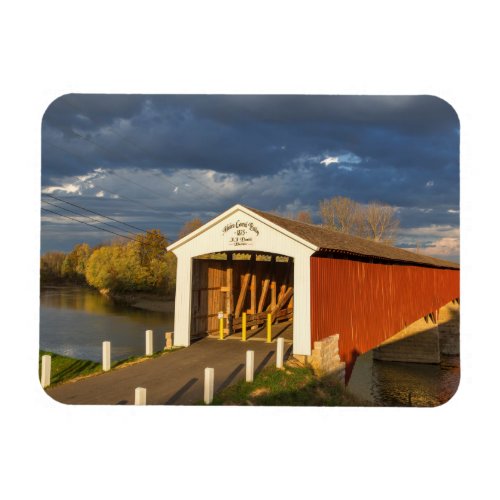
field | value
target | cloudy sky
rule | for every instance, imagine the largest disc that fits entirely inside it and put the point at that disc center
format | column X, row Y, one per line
column 158, row 161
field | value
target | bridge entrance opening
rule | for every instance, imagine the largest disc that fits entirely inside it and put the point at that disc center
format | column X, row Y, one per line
column 239, row 288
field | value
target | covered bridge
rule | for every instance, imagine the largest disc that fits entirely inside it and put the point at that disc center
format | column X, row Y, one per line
column 321, row 281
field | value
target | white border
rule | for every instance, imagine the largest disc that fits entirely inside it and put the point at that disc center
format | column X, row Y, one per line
column 446, row 49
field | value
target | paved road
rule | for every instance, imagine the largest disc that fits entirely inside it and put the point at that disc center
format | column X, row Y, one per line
column 175, row 378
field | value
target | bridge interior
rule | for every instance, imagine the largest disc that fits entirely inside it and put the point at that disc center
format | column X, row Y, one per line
column 233, row 283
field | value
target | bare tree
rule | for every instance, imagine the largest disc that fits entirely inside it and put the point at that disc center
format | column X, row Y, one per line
column 304, row 216
column 380, row 222
column 190, row 226
column 287, row 215
column 341, row 214
column 375, row 221
column 300, row 216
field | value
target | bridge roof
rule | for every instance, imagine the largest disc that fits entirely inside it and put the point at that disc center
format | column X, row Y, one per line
column 341, row 243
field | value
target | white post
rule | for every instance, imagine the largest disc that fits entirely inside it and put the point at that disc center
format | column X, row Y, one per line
column 149, row 342
column 280, row 352
column 46, row 362
column 140, row 396
column 106, row 356
column 250, row 366
column 209, row 385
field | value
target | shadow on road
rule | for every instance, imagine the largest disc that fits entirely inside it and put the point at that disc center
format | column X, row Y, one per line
column 231, row 377
column 181, row 391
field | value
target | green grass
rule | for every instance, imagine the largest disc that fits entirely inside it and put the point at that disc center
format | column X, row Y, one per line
column 292, row 386
column 64, row 368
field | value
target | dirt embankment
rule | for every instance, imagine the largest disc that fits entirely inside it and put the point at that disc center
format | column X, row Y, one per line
column 154, row 303
column 146, row 301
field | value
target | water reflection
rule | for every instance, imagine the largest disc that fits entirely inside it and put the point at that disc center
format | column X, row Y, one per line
column 76, row 298
column 75, row 321
column 388, row 383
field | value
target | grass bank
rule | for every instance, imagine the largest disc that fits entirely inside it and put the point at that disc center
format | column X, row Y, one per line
column 292, row 386
column 66, row 369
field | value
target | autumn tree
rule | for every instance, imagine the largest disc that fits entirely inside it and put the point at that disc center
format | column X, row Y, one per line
column 151, row 246
column 160, row 264
column 170, row 273
column 51, row 264
column 142, row 265
column 114, row 268
column 73, row 268
column 190, row 226
column 304, row 216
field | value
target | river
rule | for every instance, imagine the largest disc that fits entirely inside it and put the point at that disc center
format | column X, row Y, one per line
column 389, row 383
column 74, row 322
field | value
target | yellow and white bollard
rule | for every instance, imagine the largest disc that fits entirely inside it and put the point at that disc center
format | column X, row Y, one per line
column 244, row 327
column 221, row 325
column 269, row 325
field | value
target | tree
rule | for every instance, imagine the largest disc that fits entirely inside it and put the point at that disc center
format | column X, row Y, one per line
column 151, row 246
column 341, row 214
column 375, row 221
column 158, row 264
column 114, row 268
column 170, row 273
column 51, row 265
column 301, row 216
column 74, row 264
column 190, row 226
column 380, row 222
column 142, row 265
column 304, row 216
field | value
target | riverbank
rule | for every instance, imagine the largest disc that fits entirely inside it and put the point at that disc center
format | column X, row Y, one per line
column 66, row 369
column 154, row 303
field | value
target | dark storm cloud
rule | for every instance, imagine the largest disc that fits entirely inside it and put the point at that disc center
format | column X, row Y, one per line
column 418, row 217
column 427, row 113
column 88, row 111
column 245, row 134
column 401, row 150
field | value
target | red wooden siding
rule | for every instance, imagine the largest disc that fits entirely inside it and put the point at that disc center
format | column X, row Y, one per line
column 367, row 303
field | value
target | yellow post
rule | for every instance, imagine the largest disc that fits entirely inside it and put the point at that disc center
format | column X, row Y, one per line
column 221, row 326
column 268, row 328
column 244, row 327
